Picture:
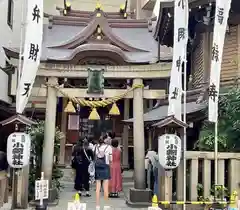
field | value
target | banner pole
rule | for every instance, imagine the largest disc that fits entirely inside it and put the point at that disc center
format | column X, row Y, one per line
column 19, row 71
column 21, row 41
column 215, row 157
column 184, row 132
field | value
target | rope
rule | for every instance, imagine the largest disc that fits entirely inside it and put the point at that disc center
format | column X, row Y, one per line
column 95, row 104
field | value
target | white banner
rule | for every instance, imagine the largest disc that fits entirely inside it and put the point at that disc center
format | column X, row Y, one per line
column 181, row 13
column 220, row 25
column 32, row 52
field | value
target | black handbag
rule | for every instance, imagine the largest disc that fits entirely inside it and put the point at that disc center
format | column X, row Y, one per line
column 73, row 163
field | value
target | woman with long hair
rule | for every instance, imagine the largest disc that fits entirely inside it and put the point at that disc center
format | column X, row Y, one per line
column 82, row 156
column 103, row 157
column 115, row 184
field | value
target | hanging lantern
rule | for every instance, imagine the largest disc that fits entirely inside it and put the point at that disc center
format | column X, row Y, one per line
column 114, row 110
column 94, row 115
column 70, row 108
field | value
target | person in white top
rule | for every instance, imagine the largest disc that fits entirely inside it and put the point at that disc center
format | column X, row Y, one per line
column 103, row 157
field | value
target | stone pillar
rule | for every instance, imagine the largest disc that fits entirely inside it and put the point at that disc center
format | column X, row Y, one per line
column 221, row 170
column 138, row 9
column 49, row 134
column 206, row 177
column 138, row 194
column 125, row 134
column 193, row 180
column 64, row 130
column 233, row 175
column 138, row 136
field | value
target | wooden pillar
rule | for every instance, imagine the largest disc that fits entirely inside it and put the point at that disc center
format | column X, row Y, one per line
column 165, row 185
column 150, row 136
column 180, row 173
column 193, row 179
column 125, row 138
column 22, row 188
column 206, row 56
column 206, row 177
column 238, row 51
column 221, row 171
column 233, row 175
column 180, row 181
column 63, row 130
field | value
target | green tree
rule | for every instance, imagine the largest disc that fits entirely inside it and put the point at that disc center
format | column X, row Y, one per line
column 37, row 137
column 228, row 125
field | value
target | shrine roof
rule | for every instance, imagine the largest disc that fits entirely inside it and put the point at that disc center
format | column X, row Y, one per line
column 160, row 113
column 195, row 103
column 80, row 34
column 165, row 23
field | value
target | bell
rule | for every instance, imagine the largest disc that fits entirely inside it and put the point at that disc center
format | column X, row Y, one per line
column 70, row 108
column 114, row 110
column 94, row 115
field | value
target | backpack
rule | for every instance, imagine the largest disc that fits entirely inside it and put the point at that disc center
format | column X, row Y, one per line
column 100, row 158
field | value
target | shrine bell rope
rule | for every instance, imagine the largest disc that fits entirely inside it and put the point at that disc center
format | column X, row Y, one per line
column 95, row 104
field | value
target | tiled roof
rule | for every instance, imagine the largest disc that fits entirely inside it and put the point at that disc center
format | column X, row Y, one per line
column 132, row 40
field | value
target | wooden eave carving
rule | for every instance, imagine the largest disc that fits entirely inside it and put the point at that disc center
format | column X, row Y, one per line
column 170, row 121
column 18, row 119
column 99, row 21
column 81, row 13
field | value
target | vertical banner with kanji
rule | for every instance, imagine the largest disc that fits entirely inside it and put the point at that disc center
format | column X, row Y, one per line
column 181, row 13
column 32, row 52
column 220, row 25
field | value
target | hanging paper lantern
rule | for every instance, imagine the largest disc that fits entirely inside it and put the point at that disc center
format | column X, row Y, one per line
column 94, row 115
column 70, row 108
column 114, row 110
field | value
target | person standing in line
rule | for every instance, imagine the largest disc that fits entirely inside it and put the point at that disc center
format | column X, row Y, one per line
column 91, row 143
column 115, row 184
column 152, row 156
column 103, row 157
column 3, row 178
column 82, row 156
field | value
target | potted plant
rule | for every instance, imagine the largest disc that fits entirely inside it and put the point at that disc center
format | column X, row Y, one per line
column 218, row 194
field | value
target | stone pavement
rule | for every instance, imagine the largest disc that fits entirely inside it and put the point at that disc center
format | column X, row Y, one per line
column 68, row 193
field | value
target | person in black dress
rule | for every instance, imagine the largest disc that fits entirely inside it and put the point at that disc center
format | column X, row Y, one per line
column 82, row 156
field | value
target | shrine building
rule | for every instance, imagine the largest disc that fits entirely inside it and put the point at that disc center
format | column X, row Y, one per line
column 199, row 54
column 97, row 69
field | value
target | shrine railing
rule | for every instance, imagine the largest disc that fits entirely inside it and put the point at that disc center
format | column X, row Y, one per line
column 200, row 174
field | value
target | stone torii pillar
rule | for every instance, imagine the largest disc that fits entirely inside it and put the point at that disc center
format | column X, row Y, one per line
column 49, row 134
column 139, row 194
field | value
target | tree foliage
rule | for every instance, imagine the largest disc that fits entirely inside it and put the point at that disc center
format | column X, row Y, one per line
column 228, row 125
column 37, row 138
